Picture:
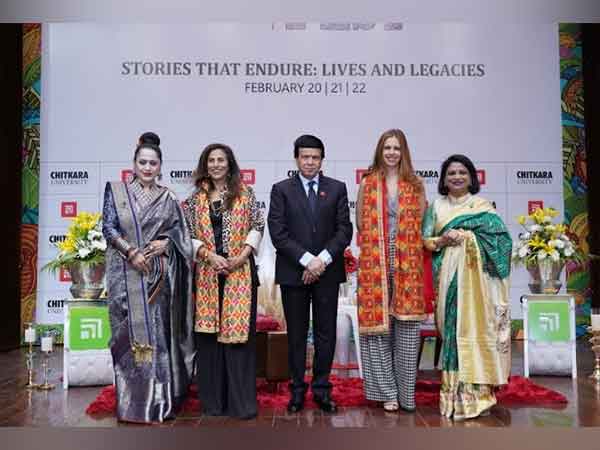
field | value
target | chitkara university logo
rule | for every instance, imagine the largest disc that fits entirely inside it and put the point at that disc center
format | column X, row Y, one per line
column 55, row 305
column 293, row 172
column 535, row 177
column 532, row 205
column 481, row 176
column 360, row 173
column 181, row 176
column 429, row 176
column 64, row 276
column 68, row 209
column 126, row 175
column 248, row 176
column 66, row 177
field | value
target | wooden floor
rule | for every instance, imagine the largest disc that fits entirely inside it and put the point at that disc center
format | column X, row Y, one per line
column 58, row 407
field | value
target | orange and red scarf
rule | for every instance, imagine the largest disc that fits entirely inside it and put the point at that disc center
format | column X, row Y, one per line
column 374, row 304
column 232, row 323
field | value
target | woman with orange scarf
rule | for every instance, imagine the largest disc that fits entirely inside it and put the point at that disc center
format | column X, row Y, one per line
column 226, row 228
column 391, row 304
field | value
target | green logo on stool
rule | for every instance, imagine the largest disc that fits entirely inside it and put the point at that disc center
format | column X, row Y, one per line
column 89, row 328
column 549, row 321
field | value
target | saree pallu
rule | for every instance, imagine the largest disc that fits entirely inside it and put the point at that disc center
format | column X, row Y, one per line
column 151, row 314
column 472, row 313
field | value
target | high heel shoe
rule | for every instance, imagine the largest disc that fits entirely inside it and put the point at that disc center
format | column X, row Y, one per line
column 391, row 406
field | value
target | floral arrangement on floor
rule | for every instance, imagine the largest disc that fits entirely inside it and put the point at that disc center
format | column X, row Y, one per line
column 84, row 242
column 543, row 239
column 350, row 261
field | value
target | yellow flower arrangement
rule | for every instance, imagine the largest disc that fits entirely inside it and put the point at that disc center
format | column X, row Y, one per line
column 84, row 242
column 543, row 239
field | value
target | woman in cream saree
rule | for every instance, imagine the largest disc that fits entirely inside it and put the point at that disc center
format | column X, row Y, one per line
column 471, row 265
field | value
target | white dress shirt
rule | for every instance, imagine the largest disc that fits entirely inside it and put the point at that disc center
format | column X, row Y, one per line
column 307, row 256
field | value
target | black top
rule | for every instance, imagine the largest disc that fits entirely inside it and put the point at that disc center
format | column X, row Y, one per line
column 216, row 219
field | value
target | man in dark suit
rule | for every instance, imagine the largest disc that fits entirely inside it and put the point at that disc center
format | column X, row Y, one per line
column 310, row 227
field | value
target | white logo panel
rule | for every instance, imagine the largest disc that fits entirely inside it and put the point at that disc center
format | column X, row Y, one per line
column 48, row 239
column 178, row 176
column 58, row 211
column 288, row 169
column 520, row 204
column 68, row 178
column 350, row 172
column 534, row 178
column 492, row 177
column 50, row 304
column 258, row 174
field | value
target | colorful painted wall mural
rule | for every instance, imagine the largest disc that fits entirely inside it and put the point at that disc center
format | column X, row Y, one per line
column 32, row 67
column 574, row 164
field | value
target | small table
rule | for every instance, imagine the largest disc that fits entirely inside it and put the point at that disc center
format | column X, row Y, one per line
column 272, row 355
column 549, row 332
column 86, row 357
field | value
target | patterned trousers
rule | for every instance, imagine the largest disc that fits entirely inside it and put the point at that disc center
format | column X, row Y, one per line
column 390, row 363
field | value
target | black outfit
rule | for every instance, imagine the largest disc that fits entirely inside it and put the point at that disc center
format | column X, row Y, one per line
column 226, row 373
column 296, row 229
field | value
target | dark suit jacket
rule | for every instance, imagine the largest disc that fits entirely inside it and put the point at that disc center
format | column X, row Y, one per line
column 294, row 230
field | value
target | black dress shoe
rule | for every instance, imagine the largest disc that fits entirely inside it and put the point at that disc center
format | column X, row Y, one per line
column 325, row 403
column 296, row 403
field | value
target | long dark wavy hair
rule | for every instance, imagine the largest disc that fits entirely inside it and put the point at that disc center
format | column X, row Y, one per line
column 203, row 181
column 406, row 171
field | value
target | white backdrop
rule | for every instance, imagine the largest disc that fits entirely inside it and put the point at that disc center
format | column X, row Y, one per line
column 491, row 92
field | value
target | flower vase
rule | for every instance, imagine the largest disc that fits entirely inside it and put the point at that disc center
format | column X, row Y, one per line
column 88, row 280
column 544, row 277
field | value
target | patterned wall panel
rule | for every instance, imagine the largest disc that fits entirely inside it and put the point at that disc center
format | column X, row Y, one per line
column 32, row 62
column 574, row 164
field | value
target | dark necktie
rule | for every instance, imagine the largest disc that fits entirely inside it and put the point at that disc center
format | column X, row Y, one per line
column 312, row 196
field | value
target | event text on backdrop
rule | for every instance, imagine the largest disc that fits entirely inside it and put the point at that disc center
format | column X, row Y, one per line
column 344, row 74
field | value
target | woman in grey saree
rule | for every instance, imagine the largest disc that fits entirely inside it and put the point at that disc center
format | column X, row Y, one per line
column 149, row 293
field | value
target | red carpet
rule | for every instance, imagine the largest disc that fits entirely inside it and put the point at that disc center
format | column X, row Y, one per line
column 519, row 391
